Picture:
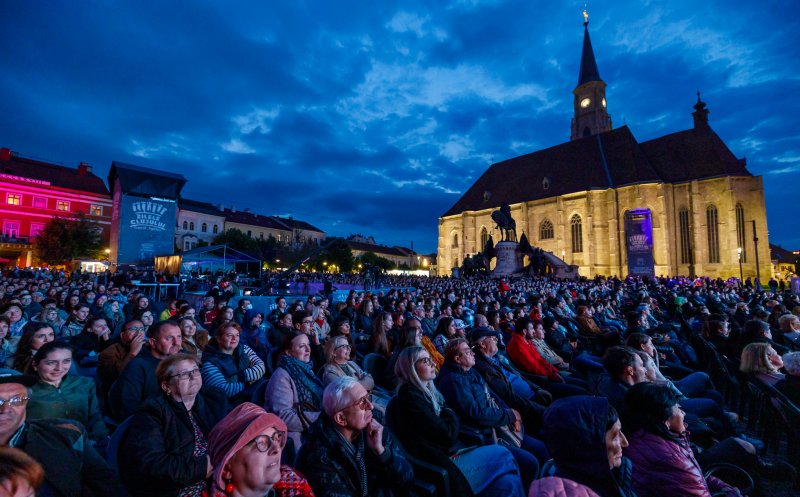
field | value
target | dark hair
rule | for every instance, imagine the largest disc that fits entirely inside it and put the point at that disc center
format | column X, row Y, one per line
column 154, row 331
column 636, row 340
column 408, row 338
column 647, row 405
column 617, row 359
column 22, row 359
column 91, row 321
column 521, row 324
column 442, row 326
column 50, row 347
column 288, row 335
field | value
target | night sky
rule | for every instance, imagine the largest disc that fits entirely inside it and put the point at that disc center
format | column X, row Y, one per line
column 373, row 117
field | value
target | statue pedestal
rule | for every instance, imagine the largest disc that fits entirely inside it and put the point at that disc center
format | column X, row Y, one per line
column 508, row 260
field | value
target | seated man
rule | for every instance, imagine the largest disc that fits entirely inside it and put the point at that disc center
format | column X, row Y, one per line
column 466, row 392
column 137, row 381
column 349, row 453
column 72, row 466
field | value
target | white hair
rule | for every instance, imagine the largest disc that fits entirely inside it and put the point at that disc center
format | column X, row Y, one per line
column 334, row 398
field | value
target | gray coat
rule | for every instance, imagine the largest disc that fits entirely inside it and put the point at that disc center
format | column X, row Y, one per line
column 281, row 398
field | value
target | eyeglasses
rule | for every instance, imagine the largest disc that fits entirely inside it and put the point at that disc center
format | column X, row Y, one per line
column 265, row 442
column 364, row 403
column 186, row 375
column 343, row 346
column 16, row 401
column 426, row 360
column 467, row 351
column 136, row 328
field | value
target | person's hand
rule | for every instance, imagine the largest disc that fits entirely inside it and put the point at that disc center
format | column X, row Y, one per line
column 136, row 345
column 517, row 424
column 209, row 467
column 375, row 437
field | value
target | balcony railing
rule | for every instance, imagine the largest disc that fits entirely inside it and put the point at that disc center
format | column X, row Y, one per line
column 21, row 240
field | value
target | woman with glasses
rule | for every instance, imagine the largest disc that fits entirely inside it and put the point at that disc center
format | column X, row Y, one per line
column 166, row 451
column 50, row 315
column 428, row 429
column 337, row 352
column 58, row 394
column 232, row 366
column 294, row 392
column 245, row 449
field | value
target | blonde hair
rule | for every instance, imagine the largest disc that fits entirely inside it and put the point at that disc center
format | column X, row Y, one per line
column 332, row 344
column 405, row 369
column 755, row 359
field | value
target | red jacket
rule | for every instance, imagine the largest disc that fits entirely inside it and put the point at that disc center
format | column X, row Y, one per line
column 525, row 356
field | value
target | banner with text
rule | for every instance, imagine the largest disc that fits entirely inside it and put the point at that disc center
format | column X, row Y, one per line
column 639, row 242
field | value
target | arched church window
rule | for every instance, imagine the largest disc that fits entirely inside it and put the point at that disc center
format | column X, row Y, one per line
column 712, row 227
column 740, row 233
column 546, row 231
column 185, row 225
column 191, row 226
column 455, row 241
column 484, row 239
column 683, row 232
column 577, row 233
column 204, row 227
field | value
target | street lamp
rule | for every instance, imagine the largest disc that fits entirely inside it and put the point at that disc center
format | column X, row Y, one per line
column 741, row 276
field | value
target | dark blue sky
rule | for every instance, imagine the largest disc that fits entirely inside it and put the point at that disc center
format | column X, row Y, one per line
column 373, row 117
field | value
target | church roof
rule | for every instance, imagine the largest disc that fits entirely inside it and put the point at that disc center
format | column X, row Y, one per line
column 692, row 154
column 601, row 161
column 588, row 70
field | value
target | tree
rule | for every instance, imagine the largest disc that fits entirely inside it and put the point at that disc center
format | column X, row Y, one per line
column 376, row 260
column 236, row 239
column 63, row 240
column 337, row 253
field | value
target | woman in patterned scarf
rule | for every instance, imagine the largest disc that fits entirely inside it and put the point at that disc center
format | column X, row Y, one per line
column 294, row 392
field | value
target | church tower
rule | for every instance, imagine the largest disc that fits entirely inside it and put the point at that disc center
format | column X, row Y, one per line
column 591, row 115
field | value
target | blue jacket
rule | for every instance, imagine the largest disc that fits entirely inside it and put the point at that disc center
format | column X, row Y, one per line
column 469, row 396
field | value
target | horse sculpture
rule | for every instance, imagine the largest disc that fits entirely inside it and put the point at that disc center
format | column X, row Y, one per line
column 505, row 223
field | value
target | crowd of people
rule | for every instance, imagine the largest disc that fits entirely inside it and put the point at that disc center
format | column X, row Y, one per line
column 527, row 386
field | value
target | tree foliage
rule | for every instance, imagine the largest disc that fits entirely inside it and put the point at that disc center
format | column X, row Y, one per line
column 338, row 253
column 63, row 240
column 376, row 260
column 236, row 239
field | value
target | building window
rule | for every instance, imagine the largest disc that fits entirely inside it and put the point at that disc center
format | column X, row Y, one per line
column 36, row 228
column 13, row 199
column 577, row 233
column 62, row 205
column 186, row 225
column 740, row 234
column 261, row 235
column 279, row 237
column 546, row 230
column 11, row 229
column 683, row 229
column 39, row 203
column 250, row 233
column 204, row 227
column 712, row 225
column 216, row 229
column 455, row 241
column 188, row 245
column 484, row 239
column 191, row 226
column 96, row 210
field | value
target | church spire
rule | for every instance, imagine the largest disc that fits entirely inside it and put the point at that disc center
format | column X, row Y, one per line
column 589, row 70
column 591, row 116
column 700, row 114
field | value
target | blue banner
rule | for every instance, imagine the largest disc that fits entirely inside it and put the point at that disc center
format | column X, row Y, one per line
column 146, row 229
column 639, row 242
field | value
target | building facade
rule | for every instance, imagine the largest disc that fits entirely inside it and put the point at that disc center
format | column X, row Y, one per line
column 32, row 192
column 197, row 222
column 577, row 199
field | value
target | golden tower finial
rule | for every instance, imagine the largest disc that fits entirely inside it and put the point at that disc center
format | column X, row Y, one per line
column 585, row 17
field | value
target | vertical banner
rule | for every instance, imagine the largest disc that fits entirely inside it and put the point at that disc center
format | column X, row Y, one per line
column 639, row 242
column 146, row 229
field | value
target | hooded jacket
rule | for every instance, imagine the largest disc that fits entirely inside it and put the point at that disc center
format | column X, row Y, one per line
column 582, row 455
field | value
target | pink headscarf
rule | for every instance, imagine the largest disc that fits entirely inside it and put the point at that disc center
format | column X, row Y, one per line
column 237, row 429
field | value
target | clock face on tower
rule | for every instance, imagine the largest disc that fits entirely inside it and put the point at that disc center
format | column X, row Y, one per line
column 585, row 102
column 604, row 103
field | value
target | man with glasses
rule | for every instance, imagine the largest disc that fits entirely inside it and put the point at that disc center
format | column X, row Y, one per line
column 112, row 360
column 72, row 466
column 348, row 452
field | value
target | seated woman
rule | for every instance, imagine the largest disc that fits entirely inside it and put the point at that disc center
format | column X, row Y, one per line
column 294, row 392
column 49, row 314
column 659, row 447
column 693, row 385
column 61, row 395
column 192, row 341
column 95, row 337
column 591, row 455
column 8, row 344
column 760, row 360
column 231, row 366
column 17, row 318
column 337, row 352
column 224, row 317
column 379, row 339
column 245, row 449
column 145, row 316
column 428, row 429
column 114, row 316
column 33, row 337
column 166, row 451
column 445, row 331
column 22, row 476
